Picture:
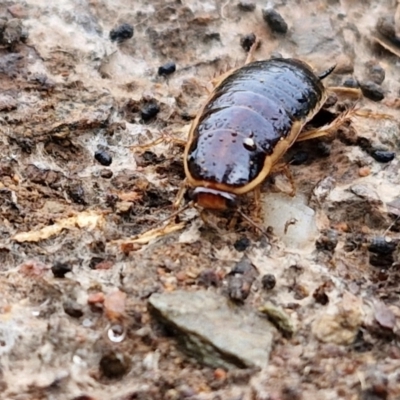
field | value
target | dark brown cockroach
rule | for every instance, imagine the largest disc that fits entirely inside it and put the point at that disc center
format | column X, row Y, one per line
column 250, row 120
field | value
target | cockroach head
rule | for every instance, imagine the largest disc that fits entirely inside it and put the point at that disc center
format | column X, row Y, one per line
column 213, row 199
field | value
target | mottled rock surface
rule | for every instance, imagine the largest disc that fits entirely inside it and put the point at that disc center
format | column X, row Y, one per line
column 85, row 332
column 214, row 330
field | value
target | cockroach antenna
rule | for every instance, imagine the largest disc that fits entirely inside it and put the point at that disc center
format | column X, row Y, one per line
column 327, row 72
column 252, row 223
column 175, row 214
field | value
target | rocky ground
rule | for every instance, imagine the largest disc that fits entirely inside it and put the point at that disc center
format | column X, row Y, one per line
column 92, row 308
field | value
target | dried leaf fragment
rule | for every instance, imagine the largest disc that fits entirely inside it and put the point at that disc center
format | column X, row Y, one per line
column 130, row 196
column 279, row 317
column 150, row 235
column 86, row 219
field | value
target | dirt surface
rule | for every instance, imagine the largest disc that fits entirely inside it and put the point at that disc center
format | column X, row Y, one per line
column 74, row 195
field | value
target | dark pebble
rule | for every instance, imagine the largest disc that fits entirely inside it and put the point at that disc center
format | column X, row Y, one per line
column 360, row 345
column 383, row 156
column 149, row 111
column 268, row 281
column 247, row 41
column 76, row 193
column 208, row 37
column 364, row 144
column 106, row 173
column 246, row 5
column 372, row 91
column 327, row 241
column 167, row 69
column 376, row 387
column 320, row 296
column 73, row 309
column 111, row 199
column 375, row 73
column 244, row 266
column 59, row 269
column 380, row 245
column 94, row 261
column 151, row 158
column 240, row 280
column 239, row 287
column 121, row 33
column 386, row 27
column 299, row 158
column 103, row 157
column 208, row 278
column 186, row 116
column 351, row 83
column 242, row 244
column 114, row 365
column 381, row 261
column 275, row 21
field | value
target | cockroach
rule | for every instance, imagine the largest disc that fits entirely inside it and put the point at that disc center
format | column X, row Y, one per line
column 252, row 117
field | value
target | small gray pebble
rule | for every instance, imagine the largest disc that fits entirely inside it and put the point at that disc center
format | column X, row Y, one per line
column 372, row 91
column 246, row 5
column 275, row 21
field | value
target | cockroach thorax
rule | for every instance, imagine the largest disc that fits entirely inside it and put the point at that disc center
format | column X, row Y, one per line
column 213, row 199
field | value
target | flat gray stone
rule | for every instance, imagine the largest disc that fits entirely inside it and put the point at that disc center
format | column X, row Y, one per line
column 215, row 331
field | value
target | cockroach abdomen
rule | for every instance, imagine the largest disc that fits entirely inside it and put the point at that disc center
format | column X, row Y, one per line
column 253, row 116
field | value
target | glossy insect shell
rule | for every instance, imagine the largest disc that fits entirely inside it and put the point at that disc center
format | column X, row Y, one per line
column 249, row 121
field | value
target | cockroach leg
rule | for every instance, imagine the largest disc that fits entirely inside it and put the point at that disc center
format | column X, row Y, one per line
column 316, row 133
column 178, row 142
column 202, row 86
column 156, row 231
column 165, row 137
column 257, row 200
column 253, row 224
column 144, row 147
column 327, row 129
column 222, row 76
column 181, row 193
column 250, row 54
column 168, row 138
column 209, row 219
column 372, row 115
column 290, row 178
column 354, row 93
column 326, row 73
column 256, row 209
column 283, row 168
column 232, row 222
